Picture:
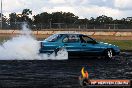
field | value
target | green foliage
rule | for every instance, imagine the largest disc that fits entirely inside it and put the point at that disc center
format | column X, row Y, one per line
column 123, row 44
column 13, row 17
column 69, row 18
column 55, row 17
column 24, row 16
column 26, row 12
column 104, row 19
column 42, row 18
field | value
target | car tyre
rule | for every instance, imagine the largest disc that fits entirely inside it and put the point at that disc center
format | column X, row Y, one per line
column 56, row 50
column 108, row 54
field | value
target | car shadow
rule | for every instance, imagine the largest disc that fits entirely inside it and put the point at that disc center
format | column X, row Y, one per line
column 90, row 59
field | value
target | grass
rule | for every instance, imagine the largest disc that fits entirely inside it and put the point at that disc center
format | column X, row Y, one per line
column 123, row 44
column 3, row 38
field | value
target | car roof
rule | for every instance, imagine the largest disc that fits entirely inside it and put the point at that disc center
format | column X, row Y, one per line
column 70, row 33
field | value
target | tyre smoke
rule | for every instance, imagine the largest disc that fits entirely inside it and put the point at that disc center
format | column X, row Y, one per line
column 26, row 47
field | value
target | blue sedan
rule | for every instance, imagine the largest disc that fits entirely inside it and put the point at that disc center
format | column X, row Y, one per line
column 78, row 44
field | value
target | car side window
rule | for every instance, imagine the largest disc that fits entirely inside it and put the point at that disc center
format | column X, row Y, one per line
column 65, row 39
column 71, row 39
column 85, row 39
column 53, row 38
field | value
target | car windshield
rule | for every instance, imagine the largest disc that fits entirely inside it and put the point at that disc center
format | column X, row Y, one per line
column 53, row 38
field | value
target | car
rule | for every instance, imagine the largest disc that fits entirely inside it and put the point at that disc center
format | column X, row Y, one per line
column 78, row 45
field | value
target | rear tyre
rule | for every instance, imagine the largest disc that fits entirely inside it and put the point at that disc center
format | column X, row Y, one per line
column 108, row 54
column 56, row 50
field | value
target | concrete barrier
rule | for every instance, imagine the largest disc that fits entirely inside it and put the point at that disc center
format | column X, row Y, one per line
column 82, row 32
column 123, row 34
column 87, row 33
column 17, row 32
column 35, row 32
column 104, row 33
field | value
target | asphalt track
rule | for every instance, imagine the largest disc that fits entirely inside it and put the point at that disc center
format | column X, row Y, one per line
column 62, row 73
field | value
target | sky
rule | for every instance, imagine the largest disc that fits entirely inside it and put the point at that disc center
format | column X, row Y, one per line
column 83, row 8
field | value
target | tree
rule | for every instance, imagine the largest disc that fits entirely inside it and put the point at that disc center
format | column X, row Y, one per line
column 42, row 18
column 26, row 12
column 55, row 17
column 83, row 21
column 12, row 19
column 92, row 20
column 70, row 18
column 25, row 15
column 104, row 20
column 4, row 21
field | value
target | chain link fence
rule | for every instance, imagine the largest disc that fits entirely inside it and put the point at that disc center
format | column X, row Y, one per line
column 18, row 25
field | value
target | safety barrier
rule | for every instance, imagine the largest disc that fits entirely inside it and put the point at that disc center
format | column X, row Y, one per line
column 82, row 32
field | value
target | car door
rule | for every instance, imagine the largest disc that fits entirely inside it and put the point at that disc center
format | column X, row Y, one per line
column 89, row 46
column 51, row 43
column 72, row 44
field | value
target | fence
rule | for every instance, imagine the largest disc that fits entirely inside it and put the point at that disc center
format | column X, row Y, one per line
column 18, row 25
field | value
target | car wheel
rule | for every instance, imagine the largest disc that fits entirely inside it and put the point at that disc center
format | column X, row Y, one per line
column 108, row 54
column 56, row 50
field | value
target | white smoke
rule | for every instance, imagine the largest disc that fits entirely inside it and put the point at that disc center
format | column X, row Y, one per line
column 26, row 47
